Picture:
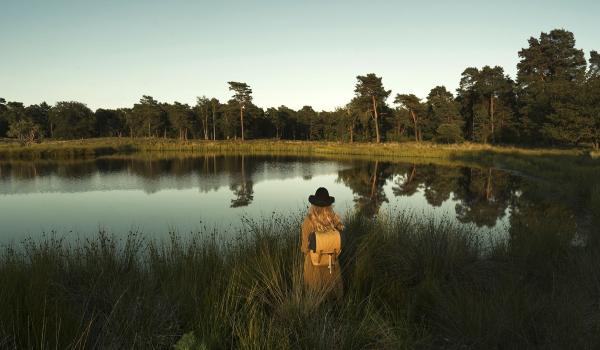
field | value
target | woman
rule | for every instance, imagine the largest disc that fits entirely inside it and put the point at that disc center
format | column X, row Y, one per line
column 321, row 217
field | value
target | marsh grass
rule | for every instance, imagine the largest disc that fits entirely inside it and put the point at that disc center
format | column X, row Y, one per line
column 107, row 146
column 410, row 282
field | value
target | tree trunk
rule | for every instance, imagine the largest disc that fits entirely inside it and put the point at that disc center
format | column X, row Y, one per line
column 414, row 118
column 400, row 130
column 376, row 119
column 351, row 129
column 492, row 115
column 473, row 128
column 214, row 125
column 242, row 121
column 206, row 123
column 206, row 127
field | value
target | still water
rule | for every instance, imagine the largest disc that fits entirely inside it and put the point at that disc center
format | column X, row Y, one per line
column 155, row 196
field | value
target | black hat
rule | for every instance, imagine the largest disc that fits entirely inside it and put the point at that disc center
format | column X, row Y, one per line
column 321, row 198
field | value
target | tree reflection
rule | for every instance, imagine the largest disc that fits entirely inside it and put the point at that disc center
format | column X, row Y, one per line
column 483, row 195
column 440, row 183
column 242, row 186
column 541, row 230
column 366, row 182
column 407, row 184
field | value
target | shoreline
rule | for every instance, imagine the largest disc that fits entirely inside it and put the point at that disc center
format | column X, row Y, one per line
column 112, row 146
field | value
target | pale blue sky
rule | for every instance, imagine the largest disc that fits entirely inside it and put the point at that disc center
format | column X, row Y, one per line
column 108, row 53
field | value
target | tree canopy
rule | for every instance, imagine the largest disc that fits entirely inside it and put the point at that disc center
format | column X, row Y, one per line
column 553, row 100
column 242, row 95
column 371, row 96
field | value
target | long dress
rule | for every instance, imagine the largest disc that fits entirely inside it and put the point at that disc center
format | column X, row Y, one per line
column 319, row 278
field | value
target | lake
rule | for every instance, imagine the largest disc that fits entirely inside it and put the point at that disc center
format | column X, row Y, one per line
column 181, row 193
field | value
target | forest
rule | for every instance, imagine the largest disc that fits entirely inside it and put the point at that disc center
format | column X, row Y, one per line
column 553, row 101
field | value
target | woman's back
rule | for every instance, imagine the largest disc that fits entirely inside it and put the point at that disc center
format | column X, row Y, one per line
column 319, row 219
column 326, row 279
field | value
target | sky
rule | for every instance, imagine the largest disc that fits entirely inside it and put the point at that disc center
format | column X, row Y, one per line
column 294, row 53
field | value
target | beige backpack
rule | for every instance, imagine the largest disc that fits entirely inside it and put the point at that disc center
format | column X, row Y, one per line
column 324, row 247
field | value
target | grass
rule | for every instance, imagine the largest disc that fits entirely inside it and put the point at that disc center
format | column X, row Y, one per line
column 410, row 282
column 111, row 146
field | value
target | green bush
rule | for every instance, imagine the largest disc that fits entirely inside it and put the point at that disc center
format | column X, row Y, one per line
column 449, row 133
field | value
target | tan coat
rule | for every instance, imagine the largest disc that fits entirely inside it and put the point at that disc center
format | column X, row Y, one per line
column 318, row 277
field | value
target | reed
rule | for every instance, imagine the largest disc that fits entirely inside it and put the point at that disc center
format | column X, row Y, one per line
column 410, row 282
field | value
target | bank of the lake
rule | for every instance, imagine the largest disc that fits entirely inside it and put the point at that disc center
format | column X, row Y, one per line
column 410, row 282
column 109, row 146
column 562, row 164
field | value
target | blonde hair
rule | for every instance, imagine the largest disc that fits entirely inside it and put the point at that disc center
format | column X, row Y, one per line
column 324, row 218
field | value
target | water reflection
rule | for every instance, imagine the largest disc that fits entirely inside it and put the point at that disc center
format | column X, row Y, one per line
column 242, row 186
column 367, row 181
column 480, row 196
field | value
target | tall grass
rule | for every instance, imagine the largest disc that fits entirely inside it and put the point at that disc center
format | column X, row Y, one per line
column 410, row 282
column 108, row 146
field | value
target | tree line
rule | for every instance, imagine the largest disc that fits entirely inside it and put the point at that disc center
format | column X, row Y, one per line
column 554, row 100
